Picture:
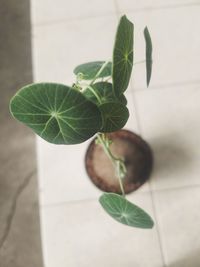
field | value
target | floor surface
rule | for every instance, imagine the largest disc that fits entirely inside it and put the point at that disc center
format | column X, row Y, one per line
column 75, row 230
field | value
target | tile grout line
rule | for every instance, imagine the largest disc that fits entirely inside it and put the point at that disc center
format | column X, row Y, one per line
column 74, row 201
column 157, row 228
column 162, row 7
column 150, row 187
column 72, row 19
column 117, row 10
column 169, row 85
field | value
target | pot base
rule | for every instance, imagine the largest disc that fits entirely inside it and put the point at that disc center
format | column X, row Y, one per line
column 137, row 156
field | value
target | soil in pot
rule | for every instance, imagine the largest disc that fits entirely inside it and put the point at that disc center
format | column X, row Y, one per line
column 138, row 160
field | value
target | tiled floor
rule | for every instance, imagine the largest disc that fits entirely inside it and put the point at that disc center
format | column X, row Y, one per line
column 75, row 230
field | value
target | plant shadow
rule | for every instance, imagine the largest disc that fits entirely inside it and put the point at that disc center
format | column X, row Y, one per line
column 171, row 155
column 190, row 260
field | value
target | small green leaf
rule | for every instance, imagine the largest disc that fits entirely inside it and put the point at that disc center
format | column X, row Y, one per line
column 57, row 113
column 122, row 56
column 148, row 54
column 122, row 99
column 124, row 211
column 102, row 92
column 115, row 116
column 89, row 70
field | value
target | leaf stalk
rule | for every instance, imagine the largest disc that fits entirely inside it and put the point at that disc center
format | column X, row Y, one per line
column 118, row 163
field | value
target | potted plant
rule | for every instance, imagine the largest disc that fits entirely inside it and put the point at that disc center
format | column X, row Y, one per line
column 94, row 105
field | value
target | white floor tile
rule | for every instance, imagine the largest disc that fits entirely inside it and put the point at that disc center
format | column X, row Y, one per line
column 59, row 48
column 179, row 220
column 170, row 123
column 82, row 234
column 46, row 11
column 176, row 42
column 134, row 5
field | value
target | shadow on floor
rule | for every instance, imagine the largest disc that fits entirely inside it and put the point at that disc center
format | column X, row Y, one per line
column 20, row 244
column 191, row 260
column 172, row 155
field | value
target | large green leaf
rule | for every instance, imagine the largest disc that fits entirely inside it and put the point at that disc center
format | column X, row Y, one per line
column 102, row 92
column 122, row 56
column 124, row 211
column 91, row 69
column 115, row 116
column 148, row 54
column 57, row 113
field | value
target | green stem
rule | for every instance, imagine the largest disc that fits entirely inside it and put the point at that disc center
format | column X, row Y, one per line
column 94, row 93
column 139, row 62
column 120, row 177
column 117, row 162
column 99, row 72
column 108, row 79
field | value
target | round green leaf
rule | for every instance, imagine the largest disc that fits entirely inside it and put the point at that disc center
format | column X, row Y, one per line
column 148, row 54
column 102, row 92
column 122, row 56
column 89, row 70
column 57, row 113
column 124, row 211
column 115, row 116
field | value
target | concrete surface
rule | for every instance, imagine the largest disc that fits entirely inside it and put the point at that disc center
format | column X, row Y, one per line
column 20, row 244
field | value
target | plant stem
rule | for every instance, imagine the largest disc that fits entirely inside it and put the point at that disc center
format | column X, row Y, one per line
column 108, row 79
column 94, row 93
column 139, row 62
column 118, row 163
column 99, row 72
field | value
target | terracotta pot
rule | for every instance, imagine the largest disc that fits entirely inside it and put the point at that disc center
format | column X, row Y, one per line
column 138, row 160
